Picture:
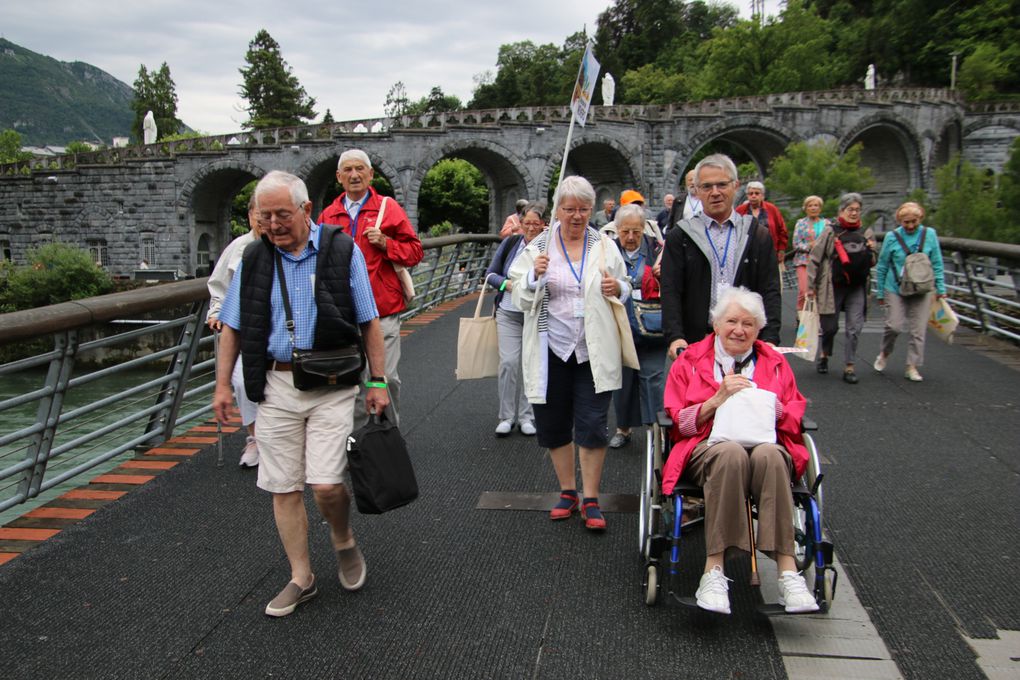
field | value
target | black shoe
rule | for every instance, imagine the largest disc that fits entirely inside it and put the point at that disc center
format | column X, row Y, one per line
column 850, row 377
column 823, row 365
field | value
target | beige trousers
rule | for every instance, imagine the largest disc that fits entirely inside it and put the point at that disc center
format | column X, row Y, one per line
column 727, row 472
column 906, row 315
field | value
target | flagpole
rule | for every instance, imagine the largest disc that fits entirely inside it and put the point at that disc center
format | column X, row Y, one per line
column 563, row 165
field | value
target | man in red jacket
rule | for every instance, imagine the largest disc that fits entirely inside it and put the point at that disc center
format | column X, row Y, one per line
column 767, row 214
column 384, row 243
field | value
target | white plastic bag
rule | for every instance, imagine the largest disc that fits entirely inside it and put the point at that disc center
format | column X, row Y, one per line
column 807, row 331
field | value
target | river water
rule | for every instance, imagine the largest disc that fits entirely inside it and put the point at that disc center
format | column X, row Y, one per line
column 24, row 416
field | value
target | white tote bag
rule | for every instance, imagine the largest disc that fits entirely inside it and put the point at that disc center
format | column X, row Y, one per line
column 807, row 331
column 477, row 345
column 747, row 418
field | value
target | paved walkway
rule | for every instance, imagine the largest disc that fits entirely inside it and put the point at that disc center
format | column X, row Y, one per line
column 171, row 579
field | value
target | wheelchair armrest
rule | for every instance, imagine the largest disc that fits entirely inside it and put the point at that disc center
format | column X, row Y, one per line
column 806, row 424
column 664, row 420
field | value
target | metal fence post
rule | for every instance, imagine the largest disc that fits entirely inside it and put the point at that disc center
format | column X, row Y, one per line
column 961, row 261
column 172, row 393
column 48, row 413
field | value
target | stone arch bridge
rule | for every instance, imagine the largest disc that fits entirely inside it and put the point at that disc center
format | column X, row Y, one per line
column 169, row 203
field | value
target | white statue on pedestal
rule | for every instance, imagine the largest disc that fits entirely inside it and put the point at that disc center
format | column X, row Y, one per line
column 608, row 89
column 149, row 128
column 869, row 78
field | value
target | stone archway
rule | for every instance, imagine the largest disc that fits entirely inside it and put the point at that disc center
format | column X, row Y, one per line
column 205, row 203
column 759, row 138
column 603, row 161
column 891, row 150
column 504, row 171
column 986, row 143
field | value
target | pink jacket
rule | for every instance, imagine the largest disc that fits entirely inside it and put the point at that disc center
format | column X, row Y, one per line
column 692, row 381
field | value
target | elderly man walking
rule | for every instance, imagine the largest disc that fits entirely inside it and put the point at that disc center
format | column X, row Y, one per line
column 302, row 286
column 767, row 215
column 391, row 242
column 714, row 250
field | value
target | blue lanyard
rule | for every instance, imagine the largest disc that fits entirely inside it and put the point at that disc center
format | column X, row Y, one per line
column 726, row 250
column 584, row 253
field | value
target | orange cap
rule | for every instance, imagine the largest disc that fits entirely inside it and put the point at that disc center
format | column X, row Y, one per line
column 630, row 196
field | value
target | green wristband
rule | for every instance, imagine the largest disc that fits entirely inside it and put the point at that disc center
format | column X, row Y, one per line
column 502, row 286
column 380, row 385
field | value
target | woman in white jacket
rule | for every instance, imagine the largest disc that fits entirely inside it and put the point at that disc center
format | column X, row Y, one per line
column 219, row 282
column 563, row 281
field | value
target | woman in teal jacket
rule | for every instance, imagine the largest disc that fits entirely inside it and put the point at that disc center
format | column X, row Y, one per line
column 907, row 313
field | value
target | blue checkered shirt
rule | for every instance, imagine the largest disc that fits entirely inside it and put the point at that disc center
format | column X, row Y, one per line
column 300, row 274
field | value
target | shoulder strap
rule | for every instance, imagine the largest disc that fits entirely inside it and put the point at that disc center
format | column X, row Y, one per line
column 286, row 298
column 920, row 244
column 382, row 210
column 903, row 243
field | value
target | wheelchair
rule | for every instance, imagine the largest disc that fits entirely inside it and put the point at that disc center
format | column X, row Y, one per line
column 663, row 521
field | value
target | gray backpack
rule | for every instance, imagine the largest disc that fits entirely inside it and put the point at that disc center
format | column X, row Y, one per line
column 918, row 276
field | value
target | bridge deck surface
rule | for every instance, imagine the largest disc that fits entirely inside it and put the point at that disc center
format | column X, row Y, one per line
column 922, row 494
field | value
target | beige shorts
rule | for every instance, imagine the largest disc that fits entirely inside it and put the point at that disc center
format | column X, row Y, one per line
column 302, row 436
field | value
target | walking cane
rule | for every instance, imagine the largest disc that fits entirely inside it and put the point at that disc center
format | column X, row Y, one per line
column 755, row 580
column 219, row 427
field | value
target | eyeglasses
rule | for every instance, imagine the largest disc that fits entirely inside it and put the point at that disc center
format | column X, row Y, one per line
column 709, row 186
column 281, row 217
column 853, row 210
column 570, row 212
column 533, row 225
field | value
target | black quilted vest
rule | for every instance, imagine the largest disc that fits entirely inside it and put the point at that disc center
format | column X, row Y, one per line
column 336, row 325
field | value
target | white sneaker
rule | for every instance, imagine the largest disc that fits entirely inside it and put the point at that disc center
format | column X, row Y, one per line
column 528, row 428
column 504, row 427
column 794, row 594
column 880, row 363
column 912, row 374
column 250, row 457
column 714, row 591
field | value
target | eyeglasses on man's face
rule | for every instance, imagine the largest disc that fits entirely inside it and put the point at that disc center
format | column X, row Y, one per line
column 714, row 186
column 570, row 212
column 281, row 216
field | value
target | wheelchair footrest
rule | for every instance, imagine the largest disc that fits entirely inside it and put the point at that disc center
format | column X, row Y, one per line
column 776, row 609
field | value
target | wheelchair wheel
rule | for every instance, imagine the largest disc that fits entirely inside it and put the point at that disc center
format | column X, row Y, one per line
column 651, row 585
column 814, row 468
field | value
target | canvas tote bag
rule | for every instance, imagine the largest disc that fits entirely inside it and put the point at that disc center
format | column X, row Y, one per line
column 627, row 350
column 807, row 331
column 477, row 345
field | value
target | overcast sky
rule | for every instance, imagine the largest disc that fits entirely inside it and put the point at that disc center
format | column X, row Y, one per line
column 346, row 55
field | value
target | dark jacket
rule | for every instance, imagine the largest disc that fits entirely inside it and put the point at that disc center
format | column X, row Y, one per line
column 336, row 325
column 686, row 281
column 499, row 268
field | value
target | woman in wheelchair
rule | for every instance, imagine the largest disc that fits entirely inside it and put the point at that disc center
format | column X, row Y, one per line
column 737, row 431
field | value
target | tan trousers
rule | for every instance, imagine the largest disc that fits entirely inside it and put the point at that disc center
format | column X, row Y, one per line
column 906, row 315
column 727, row 472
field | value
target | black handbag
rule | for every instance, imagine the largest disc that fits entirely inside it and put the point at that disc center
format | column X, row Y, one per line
column 315, row 369
column 381, row 471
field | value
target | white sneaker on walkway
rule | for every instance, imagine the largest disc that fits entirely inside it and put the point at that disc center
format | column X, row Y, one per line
column 528, row 428
column 714, row 591
column 912, row 374
column 794, row 594
column 880, row 363
column 504, row 427
column 250, row 456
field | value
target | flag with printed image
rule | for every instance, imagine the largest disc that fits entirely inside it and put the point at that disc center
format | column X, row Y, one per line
column 585, row 87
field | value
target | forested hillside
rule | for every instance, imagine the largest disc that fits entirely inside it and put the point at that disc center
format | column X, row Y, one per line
column 53, row 102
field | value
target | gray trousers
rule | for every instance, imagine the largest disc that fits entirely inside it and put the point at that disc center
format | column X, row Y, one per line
column 906, row 315
column 391, row 340
column 728, row 473
column 852, row 301
column 513, row 404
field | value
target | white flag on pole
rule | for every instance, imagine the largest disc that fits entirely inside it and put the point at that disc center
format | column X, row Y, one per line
column 585, row 87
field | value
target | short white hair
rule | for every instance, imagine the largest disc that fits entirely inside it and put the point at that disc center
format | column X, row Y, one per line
column 277, row 179
column 716, row 160
column 756, row 185
column 629, row 211
column 354, row 154
column 577, row 187
column 747, row 300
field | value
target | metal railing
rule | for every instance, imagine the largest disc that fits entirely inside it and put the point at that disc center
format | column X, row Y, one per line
column 102, row 392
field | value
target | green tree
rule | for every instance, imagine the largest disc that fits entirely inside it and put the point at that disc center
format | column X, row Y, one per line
column 56, row 272
column 651, row 84
column 327, row 118
column 805, row 169
column 397, row 102
column 1009, row 197
column 10, row 147
column 155, row 91
column 531, row 75
column 981, row 72
column 454, row 190
column 78, row 147
column 274, row 95
column 968, row 201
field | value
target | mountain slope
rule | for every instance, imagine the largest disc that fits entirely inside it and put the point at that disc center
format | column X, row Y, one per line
column 55, row 102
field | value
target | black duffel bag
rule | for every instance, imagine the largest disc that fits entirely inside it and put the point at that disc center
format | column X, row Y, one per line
column 381, row 471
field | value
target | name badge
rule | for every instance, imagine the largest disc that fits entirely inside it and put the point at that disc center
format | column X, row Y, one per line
column 578, row 308
column 635, row 293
